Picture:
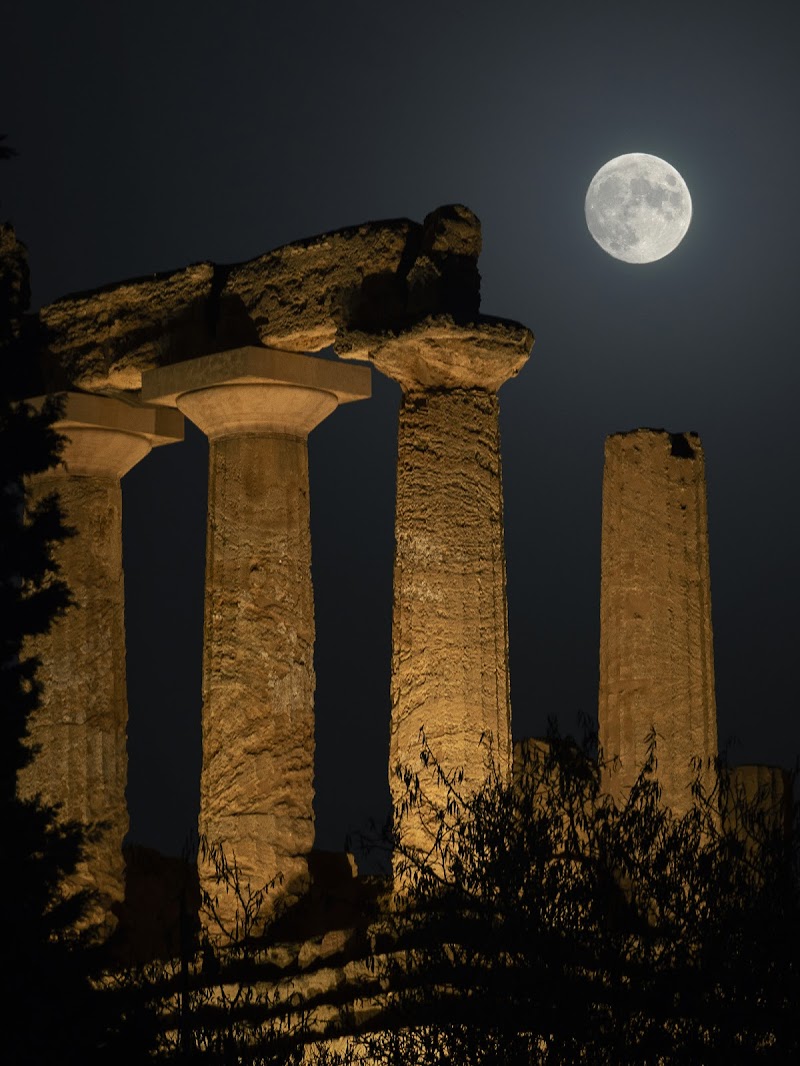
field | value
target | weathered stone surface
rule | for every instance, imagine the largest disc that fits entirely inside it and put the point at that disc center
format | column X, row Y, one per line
column 255, row 366
column 656, row 653
column 438, row 353
column 450, row 640
column 450, row 634
column 81, row 724
column 376, row 276
column 256, row 788
column 100, row 341
column 326, row 946
column 80, row 727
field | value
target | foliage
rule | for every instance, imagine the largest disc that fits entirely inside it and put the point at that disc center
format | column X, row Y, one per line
column 67, row 1000
column 546, row 925
column 6, row 151
column 55, row 1008
column 212, row 1004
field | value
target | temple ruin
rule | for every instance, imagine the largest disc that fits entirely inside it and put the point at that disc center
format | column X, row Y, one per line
column 232, row 349
column 656, row 649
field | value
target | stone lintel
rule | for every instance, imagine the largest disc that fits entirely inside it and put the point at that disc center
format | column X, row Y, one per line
column 377, row 276
column 441, row 353
column 256, row 366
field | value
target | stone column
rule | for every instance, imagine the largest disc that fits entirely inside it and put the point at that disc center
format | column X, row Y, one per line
column 656, row 651
column 257, row 407
column 81, row 724
column 450, row 629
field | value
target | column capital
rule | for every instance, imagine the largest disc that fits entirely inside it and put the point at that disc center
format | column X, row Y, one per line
column 106, row 436
column 440, row 353
column 256, row 390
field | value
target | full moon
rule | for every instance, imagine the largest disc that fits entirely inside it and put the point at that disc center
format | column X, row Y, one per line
column 638, row 208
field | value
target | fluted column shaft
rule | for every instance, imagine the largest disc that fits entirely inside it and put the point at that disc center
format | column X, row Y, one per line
column 450, row 627
column 80, row 727
column 257, row 407
column 257, row 778
column 656, row 648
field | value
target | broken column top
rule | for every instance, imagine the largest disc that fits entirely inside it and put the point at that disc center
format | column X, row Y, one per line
column 440, row 352
column 685, row 445
column 376, row 277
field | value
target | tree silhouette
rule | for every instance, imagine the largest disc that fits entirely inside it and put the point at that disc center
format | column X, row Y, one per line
column 545, row 925
column 210, row 999
column 6, row 151
column 55, row 1009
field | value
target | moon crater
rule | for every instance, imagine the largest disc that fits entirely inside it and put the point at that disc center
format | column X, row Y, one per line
column 638, row 208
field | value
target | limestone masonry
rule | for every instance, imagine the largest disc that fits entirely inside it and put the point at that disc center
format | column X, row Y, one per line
column 81, row 725
column 379, row 276
column 656, row 651
column 228, row 347
column 257, row 407
column 450, row 628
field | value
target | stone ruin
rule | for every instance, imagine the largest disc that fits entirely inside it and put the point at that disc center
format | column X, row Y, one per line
column 231, row 348
column 656, row 650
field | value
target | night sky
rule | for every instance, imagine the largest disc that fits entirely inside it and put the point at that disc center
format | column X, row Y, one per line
column 153, row 135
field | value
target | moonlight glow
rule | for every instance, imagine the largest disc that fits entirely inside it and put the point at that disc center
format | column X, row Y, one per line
column 638, row 208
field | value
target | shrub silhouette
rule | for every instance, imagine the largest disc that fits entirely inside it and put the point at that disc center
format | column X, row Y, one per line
column 546, row 925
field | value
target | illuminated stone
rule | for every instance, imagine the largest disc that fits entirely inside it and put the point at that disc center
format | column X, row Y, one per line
column 81, row 724
column 291, row 298
column 257, row 407
column 450, row 630
column 656, row 653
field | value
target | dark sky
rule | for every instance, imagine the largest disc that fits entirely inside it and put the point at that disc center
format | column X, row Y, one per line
column 152, row 135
